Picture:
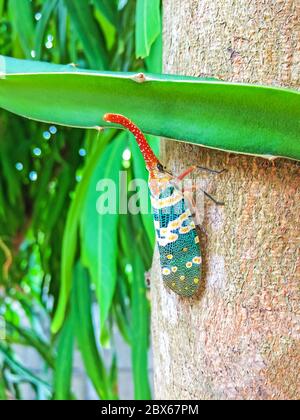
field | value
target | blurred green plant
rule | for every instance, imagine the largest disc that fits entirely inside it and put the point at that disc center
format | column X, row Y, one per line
column 240, row 118
column 49, row 227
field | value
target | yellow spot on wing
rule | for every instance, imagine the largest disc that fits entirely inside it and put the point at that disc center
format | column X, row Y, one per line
column 197, row 260
column 184, row 216
column 174, row 224
column 184, row 230
column 173, row 237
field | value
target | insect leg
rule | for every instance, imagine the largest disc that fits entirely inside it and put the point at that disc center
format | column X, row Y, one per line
column 212, row 171
column 201, row 168
column 217, row 203
column 186, row 173
column 193, row 189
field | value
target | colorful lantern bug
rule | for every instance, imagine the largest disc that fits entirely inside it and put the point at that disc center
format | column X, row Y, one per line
column 176, row 233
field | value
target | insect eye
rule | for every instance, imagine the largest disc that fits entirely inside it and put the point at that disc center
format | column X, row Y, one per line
column 160, row 167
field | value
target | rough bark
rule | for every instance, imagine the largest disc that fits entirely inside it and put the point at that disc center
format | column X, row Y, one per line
column 239, row 337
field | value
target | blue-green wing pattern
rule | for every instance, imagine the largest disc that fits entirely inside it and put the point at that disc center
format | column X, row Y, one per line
column 178, row 242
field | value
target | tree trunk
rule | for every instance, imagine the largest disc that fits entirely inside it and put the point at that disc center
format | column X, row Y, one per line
column 239, row 337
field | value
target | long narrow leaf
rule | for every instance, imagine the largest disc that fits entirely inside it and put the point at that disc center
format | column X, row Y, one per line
column 24, row 373
column 99, row 231
column 64, row 362
column 62, row 29
column 32, row 339
column 46, row 13
column 148, row 25
column 3, row 395
column 109, row 9
column 71, row 234
column 1, row 7
column 22, row 18
column 140, row 332
column 154, row 61
column 88, row 31
column 84, row 330
column 240, row 118
column 140, row 317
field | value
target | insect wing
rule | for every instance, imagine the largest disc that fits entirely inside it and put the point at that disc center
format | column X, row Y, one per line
column 178, row 242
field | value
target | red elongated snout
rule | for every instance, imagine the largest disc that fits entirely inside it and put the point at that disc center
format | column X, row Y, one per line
column 151, row 160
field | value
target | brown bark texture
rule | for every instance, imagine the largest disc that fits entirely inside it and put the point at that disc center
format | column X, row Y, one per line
column 239, row 337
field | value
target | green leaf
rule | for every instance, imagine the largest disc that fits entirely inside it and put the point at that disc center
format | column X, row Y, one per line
column 84, row 330
column 22, row 19
column 1, row 7
column 55, row 204
column 46, row 13
column 155, row 60
column 3, row 396
column 99, row 232
column 109, row 31
column 70, row 239
column 109, row 10
column 64, row 362
column 113, row 376
column 248, row 119
column 121, row 306
column 36, row 342
column 140, row 316
column 24, row 373
column 122, row 323
column 62, row 29
column 140, row 172
column 140, row 331
column 88, row 31
column 148, row 26
column 8, row 172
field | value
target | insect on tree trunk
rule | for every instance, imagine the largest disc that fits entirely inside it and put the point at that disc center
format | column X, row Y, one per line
column 239, row 337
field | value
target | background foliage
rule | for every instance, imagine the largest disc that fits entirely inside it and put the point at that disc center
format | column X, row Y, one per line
column 49, row 227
